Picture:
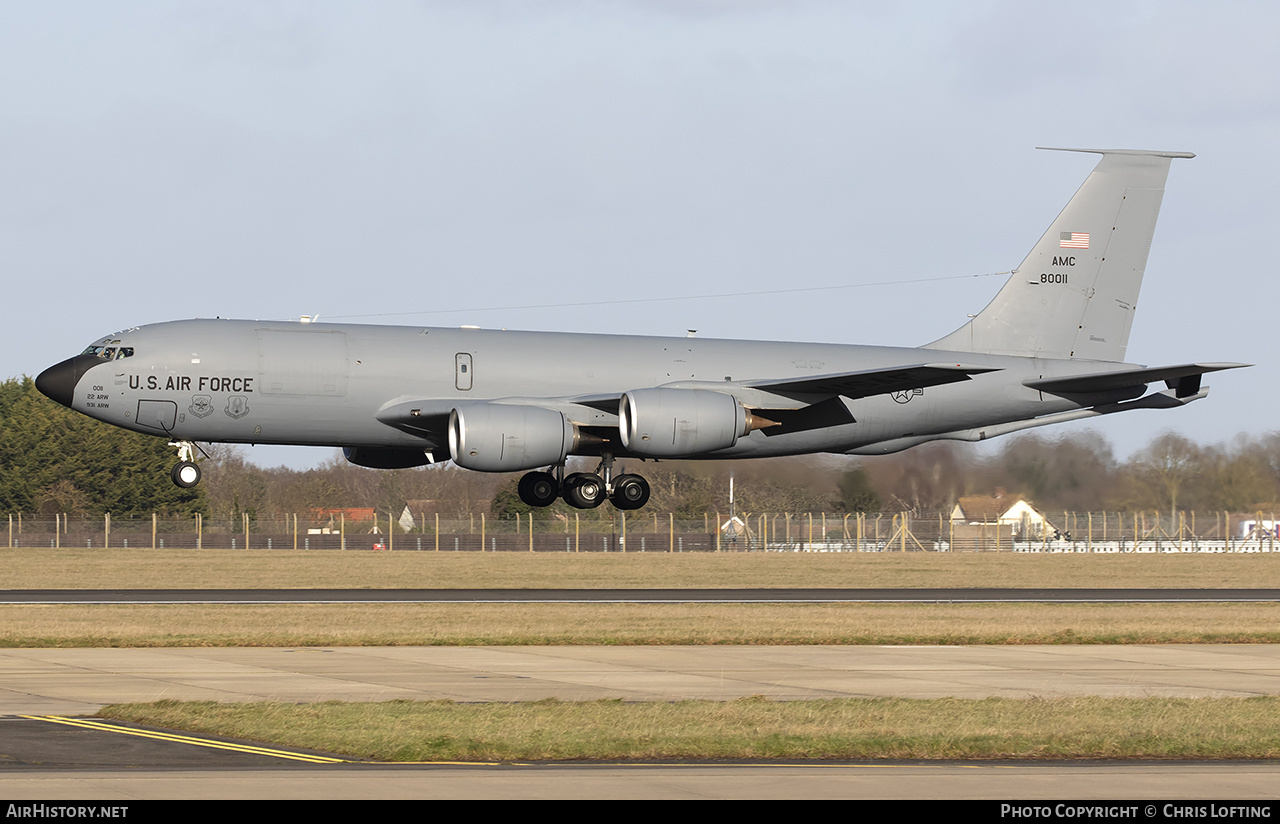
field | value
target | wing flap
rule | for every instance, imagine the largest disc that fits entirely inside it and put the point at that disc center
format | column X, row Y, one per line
column 870, row 382
column 1181, row 377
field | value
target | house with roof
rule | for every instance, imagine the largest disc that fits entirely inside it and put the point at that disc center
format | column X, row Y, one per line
column 1024, row 521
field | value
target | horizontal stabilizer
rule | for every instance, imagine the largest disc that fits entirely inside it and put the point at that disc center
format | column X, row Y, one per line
column 1127, row 378
column 873, row 381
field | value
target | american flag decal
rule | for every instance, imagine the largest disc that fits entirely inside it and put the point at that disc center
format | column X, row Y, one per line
column 1074, row 240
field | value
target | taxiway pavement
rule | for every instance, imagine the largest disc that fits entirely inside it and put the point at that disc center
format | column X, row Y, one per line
column 80, row 681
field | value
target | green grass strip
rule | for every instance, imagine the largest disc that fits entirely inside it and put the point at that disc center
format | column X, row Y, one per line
column 282, row 625
column 749, row 728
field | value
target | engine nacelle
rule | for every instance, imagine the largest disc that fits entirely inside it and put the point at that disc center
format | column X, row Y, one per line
column 384, row 457
column 496, row 437
column 671, row 423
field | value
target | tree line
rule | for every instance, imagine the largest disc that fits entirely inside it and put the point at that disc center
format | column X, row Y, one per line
column 53, row 460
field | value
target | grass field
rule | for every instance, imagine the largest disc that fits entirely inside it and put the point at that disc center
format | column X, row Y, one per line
column 401, row 624
column 750, row 728
column 548, row 624
column 229, row 569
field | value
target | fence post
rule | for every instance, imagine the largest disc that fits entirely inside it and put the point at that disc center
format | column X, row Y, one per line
column 106, row 530
column 153, row 530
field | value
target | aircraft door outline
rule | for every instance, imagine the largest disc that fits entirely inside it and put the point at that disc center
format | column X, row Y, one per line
column 462, row 371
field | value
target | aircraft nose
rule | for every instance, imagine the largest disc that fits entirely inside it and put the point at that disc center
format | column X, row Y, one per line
column 58, row 382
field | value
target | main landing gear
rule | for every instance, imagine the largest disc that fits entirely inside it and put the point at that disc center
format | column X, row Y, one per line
column 186, row 473
column 585, row 490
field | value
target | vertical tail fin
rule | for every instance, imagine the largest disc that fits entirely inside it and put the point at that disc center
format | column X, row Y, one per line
column 1074, row 295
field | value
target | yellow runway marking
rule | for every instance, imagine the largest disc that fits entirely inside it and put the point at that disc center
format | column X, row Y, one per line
column 104, row 726
column 185, row 739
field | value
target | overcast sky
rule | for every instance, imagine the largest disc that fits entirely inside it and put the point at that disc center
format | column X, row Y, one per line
column 496, row 163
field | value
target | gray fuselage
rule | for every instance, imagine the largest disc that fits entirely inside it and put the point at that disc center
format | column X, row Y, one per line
column 275, row 382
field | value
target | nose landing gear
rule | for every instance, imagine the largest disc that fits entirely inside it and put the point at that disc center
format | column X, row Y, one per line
column 186, row 473
column 585, row 490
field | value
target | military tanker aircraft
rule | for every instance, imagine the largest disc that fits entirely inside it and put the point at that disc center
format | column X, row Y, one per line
column 1049, row 348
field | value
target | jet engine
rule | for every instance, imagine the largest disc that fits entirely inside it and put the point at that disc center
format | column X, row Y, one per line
column 496, row 437
column 384, row 457
column 670, row 423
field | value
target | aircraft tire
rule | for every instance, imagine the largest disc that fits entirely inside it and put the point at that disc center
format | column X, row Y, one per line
column 538, row 489
column 629, row 492
column 185, row 474
column 584, row 490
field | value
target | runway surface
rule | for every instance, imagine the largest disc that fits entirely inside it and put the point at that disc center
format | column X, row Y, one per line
column 632, row 596
column 1140, row 785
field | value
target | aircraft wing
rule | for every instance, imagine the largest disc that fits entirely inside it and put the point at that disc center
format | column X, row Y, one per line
column 1185, row 378
column 429, row 418
column 872, row 381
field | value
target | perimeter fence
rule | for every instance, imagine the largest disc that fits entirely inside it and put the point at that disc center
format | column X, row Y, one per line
column 1068, row 532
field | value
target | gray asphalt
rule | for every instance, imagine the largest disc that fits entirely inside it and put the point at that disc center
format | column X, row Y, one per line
column 633, row 596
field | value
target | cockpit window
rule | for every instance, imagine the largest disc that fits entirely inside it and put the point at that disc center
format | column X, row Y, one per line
column 109, row 352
